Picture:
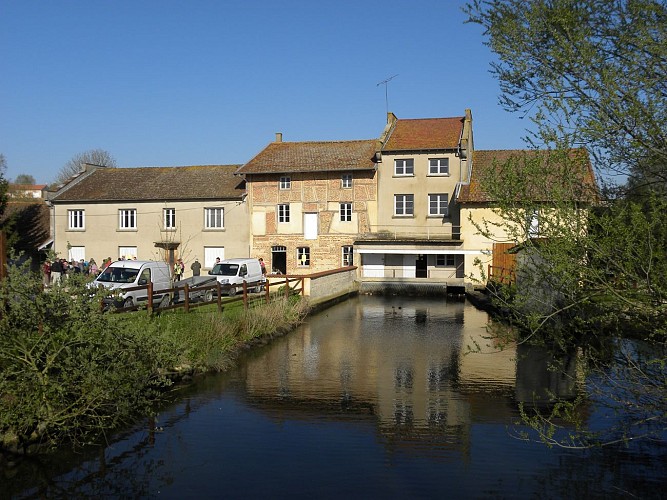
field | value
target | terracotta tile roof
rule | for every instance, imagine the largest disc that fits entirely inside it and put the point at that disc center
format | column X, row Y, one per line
column 157, row 183
column 425, row 134
column 491, row 163
column 289, row 157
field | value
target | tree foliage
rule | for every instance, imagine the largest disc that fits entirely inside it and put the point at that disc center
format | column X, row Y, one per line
column 78, row 161
column 25, row 179
column 68, row 371
column 589, row 73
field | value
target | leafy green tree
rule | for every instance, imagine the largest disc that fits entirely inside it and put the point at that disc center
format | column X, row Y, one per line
column 588, row 73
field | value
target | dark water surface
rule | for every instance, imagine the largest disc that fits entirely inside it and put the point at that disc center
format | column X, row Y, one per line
column 372, row 398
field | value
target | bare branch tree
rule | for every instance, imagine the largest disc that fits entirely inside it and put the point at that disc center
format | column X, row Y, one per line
column 78, row 161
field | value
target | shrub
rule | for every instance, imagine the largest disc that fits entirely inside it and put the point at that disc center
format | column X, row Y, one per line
column 68, row 371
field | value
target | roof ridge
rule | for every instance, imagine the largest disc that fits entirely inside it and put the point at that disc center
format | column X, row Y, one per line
column 325, row 142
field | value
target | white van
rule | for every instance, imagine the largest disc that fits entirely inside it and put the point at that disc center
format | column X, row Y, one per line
column 230, row 272
column 130, row 273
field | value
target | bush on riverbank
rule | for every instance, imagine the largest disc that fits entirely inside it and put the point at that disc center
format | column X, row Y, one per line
column 70, row 373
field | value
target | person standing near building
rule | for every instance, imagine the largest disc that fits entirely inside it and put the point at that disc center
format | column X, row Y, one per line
column 178, row 271
column 56, row 272
column 46, row 269
column 196, row 267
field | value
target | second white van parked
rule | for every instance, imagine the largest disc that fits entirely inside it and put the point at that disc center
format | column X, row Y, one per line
column 130, row 273
column 232, row 272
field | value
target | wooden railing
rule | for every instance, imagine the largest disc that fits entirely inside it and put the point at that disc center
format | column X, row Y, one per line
column 292, row 285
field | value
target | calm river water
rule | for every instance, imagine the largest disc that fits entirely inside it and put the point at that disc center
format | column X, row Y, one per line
column 372, row 398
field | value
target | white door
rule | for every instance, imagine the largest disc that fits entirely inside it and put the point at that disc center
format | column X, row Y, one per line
column 76, row 254
column 210, row 253
column 310, row 226
column 372, row 265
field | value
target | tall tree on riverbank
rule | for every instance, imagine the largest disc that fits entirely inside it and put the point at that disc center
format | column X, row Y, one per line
column 590, row 73
column 586, row 73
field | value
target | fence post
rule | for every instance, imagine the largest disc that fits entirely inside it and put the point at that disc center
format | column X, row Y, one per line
column 286, row 287
column 186, row 291
column 245, row 295
column 149, row 291
column 267, row 285
column 219, row 295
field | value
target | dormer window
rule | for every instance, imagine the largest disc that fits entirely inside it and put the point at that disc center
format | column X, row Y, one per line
column 405, row 167
column 285, row 182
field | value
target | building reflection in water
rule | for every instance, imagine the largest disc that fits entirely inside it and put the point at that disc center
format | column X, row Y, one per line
column 405, row 361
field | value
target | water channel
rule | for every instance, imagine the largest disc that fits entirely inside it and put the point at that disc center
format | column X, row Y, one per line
column 375, row 397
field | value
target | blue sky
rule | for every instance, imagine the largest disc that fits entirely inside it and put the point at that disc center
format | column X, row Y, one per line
column 160, row 83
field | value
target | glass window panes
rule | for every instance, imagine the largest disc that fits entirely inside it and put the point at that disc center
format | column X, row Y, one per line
column 285, row 182
column 303, row 256
column 346, row 181
column 404, row 204
column 170, row 218
column 404, row 167
column 76, row 219
column 214, row 218
column 127, row 218
column 437, row 204
column 346, row 212
column 283, row 212
column 347, row 256
column 438, row 166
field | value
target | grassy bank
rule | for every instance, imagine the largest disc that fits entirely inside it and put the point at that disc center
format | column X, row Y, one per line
column 69, row 372
column 206, row 340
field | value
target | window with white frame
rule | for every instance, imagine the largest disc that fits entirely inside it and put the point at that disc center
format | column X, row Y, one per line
column 127, row 218
column 285, row 182
column 347, row 256
column 438, row 205
column 404, row 167
column 438, row 166
column 283, row 212
column 214, row 218
column 303, row 256
column 77, row 219
column 346, row 212
column 442, row 260
column 346, row 181
column 404, row 205
column 169, row 218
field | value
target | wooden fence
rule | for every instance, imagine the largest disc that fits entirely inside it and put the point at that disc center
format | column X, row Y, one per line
column 213, row 294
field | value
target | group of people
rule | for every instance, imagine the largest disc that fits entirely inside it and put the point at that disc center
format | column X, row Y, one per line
column 54, row 271
column 195, row 267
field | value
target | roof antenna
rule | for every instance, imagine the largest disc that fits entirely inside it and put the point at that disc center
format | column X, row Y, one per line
column 386, row 85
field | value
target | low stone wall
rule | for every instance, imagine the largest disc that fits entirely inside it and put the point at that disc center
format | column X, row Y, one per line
column 331, row 285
